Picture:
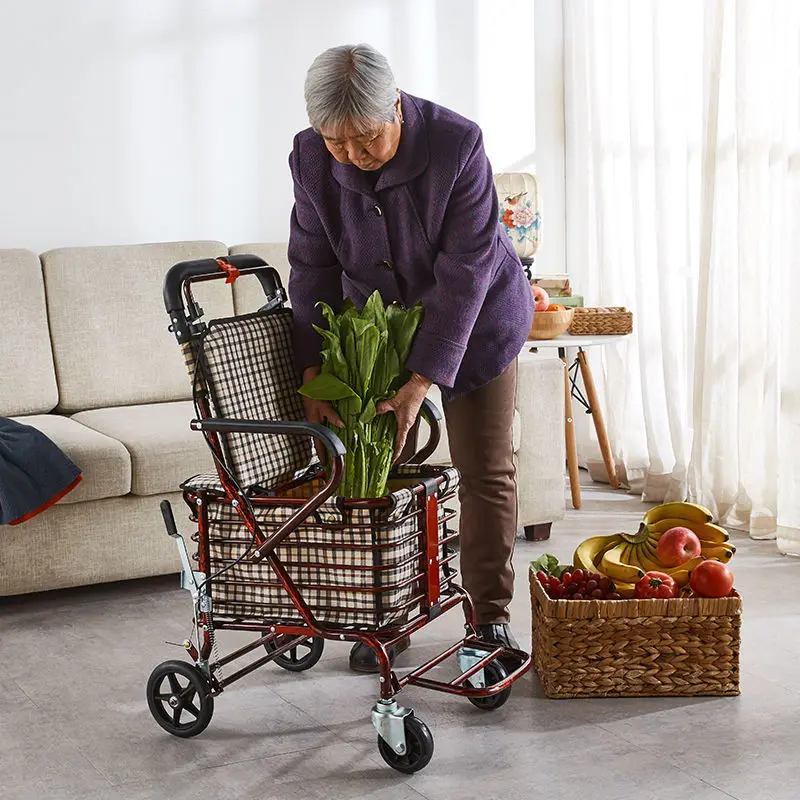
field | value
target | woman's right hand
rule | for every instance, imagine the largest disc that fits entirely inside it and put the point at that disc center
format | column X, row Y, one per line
column 320, row 411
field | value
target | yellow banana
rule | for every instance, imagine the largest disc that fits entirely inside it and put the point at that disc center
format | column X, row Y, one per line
column 625, row 589
column 588, row 553
column 644, row 557
column 705, row 531
column 682, row 573
column 719, row 552
column 682, row 511
column 613, row 563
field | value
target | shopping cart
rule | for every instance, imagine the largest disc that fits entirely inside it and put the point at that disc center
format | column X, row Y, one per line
column 281, row 556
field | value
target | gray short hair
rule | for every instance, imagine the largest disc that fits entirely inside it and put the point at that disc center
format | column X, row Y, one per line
column 350, row 83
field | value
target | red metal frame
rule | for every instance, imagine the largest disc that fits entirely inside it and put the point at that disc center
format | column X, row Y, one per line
column 434, row 598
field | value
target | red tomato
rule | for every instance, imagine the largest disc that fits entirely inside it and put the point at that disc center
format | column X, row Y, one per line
column 711, row 579
column 656, row 584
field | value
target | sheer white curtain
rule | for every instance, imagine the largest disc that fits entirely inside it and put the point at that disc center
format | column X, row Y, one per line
column 683, row 203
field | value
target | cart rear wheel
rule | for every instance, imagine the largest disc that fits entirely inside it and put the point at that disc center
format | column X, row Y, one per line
column 419, row 747
column 494, row 672
column 179, row 699
column 299, row 658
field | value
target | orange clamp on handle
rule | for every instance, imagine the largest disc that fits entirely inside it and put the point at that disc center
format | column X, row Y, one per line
column 231, row 272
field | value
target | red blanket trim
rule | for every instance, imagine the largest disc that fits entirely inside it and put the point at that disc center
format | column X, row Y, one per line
column 49, row 503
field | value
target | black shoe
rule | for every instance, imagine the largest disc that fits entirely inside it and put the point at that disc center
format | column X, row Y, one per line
column 363, row 658
column 497, row 633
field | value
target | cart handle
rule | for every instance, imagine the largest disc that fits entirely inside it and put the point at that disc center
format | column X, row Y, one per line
column 333, row 444
column 205, row 269
column 433, row 416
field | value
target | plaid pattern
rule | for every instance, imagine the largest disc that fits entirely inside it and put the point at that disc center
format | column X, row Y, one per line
column 248, row 366
column 328, row 564
column 190, row 350
column 204, row 482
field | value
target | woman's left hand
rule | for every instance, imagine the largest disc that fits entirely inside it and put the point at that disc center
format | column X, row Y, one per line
column 405, row 404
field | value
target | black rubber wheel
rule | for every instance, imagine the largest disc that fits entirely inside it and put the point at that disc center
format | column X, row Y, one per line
column 299, row 658
column 179, row 699
column 493, row 673
column 419, row 748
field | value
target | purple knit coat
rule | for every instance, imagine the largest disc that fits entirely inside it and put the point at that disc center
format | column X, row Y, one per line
column 427, row 232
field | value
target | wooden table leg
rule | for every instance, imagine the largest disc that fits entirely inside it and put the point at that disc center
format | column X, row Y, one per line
column 569, row 436
column 597, row 416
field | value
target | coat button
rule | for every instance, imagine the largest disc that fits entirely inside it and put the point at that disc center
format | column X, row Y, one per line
column 386, row 264
column 378, row 211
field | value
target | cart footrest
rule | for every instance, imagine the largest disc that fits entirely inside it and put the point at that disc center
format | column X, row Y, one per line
column 516, row 662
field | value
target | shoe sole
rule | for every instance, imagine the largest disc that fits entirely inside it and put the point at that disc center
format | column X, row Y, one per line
column 401, row 647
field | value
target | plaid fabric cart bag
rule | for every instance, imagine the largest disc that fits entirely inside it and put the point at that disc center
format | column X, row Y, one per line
column 281, row 555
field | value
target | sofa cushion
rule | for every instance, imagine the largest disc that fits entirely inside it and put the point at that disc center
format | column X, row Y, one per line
column 27, row 374
column 109, row 327
column 104, row 462
column 164, row 450
column 247, row 293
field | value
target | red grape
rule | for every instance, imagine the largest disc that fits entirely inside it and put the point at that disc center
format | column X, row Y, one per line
column 591, row 585
column 542, row 577
column 553, row 582
column 615, row 596
column 578, row 575
column 605, row 583
column 577, row 596
column 597, row 594
column 566, row 578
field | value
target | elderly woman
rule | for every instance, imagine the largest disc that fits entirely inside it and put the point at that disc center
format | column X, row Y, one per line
column 395, row 193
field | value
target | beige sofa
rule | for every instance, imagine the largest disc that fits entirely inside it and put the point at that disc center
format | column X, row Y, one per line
column 85, row 357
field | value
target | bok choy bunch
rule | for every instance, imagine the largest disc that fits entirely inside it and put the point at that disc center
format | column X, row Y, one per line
column 363, row 363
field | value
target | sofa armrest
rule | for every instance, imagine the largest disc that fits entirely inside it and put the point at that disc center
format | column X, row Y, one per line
column 541, row 454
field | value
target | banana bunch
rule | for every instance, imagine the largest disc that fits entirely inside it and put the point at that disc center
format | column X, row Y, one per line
column 713, row 539
column 625, row 557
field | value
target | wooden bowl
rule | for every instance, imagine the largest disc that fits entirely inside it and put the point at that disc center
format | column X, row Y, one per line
column 549, row 324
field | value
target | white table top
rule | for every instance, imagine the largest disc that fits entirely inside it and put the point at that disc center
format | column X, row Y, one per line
column 568, row 340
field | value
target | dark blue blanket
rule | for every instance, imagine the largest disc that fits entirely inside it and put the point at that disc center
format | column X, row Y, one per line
column 34, row 473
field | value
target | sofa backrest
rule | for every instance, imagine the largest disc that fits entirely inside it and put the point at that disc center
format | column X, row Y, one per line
column 27, row 374
column 109, row 327
column 247, row 294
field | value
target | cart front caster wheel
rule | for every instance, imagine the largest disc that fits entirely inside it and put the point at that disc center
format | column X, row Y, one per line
column 494, row 672
column 299, row 658
column 419, row 747
column 179, row 699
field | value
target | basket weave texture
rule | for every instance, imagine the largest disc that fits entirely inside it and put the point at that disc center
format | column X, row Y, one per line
column 611, row 321
column 678, row 647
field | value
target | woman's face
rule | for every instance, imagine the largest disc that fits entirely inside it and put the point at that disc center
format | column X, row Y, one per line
column 366, row 145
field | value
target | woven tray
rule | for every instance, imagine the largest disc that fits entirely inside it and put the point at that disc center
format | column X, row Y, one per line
column 614, row 320
column 635, row 648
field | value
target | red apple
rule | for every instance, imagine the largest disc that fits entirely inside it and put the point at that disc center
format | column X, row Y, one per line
column 677, row 546
column 540, row 298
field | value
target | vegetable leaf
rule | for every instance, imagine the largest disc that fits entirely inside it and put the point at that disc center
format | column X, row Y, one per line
column 327, row 387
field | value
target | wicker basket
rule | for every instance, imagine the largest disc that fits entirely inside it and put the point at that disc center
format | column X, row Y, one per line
column 679, row 647
column 614, row 320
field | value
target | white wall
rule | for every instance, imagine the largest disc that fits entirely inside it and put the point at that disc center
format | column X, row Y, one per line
column 146, row 120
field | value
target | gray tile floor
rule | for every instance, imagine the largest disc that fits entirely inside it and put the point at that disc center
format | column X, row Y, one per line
column 74, row 722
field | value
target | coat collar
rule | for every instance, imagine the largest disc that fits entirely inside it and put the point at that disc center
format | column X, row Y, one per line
column 410, row 160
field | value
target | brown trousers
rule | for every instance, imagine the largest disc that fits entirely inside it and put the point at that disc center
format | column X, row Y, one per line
column 479, row 427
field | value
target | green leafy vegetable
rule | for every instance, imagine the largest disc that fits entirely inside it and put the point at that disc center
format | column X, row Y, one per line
column 363, row 358
column 548, row 564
